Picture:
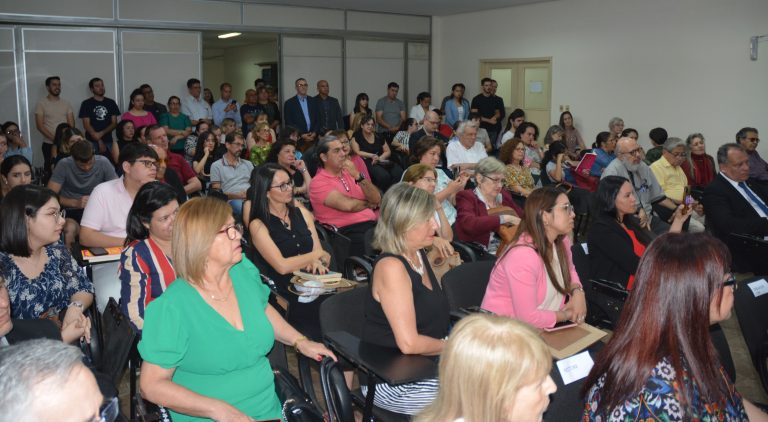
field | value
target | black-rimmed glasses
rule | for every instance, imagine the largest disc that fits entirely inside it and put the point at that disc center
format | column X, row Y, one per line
column 284, row 187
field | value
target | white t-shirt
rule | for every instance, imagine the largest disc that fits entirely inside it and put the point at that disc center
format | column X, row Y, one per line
column 457, row 154
column 107, row 208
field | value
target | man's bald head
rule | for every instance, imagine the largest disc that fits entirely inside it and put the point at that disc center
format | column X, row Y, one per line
column 625, row 144
column 431, row 122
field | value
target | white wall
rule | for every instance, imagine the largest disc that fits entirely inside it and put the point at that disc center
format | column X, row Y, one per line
column 680, row 64
column 237, row 66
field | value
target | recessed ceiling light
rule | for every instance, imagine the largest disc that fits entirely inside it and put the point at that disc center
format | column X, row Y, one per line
column 230, row 35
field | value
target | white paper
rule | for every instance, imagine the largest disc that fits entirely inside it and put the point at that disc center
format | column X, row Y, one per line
column 575, row 367
column 535, row 87
column 759, row 287
column 585, row 247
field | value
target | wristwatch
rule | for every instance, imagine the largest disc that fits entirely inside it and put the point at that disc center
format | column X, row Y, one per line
column 360, row 178
column 76, row 303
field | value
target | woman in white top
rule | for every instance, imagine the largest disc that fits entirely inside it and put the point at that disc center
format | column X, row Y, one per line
column 423, row 100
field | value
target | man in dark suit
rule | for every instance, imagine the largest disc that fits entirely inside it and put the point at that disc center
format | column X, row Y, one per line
column 329, row 110
column 735, row 204
column 301, row 112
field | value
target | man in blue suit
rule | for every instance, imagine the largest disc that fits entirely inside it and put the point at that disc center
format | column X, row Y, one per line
column 301, row 112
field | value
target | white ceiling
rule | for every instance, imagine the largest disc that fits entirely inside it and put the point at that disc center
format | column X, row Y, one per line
column 417, row 7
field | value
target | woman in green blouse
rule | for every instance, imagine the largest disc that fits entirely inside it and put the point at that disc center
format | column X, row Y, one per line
column 205, row 340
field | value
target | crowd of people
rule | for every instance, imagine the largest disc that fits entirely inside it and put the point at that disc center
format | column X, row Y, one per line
column 180, row 188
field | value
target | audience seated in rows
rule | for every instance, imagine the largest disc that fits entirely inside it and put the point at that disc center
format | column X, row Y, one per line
column 146, row 268
column 473, row 222
column 341, row 196
column 535, row 274
column 407, row 308
column 492, row 368
column 736, row 203
column 106, row 213
column 629, row 164
column 206, row 338
column 74, row 178
column 660, row 363
column 518, row 178
column 285, row 237
column 43, row 279
column 616, row 240
column 175, row 162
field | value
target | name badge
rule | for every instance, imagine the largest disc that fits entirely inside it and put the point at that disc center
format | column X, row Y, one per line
column 758, row 287
column 575, row 367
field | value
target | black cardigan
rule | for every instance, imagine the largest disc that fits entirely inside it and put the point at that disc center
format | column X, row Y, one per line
column 611, row 255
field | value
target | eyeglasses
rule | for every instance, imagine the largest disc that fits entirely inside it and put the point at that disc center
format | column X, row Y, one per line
column 494, row 181
column 429, row 179
column 568, row 208
column 678, row 154
column 237, row 144
column 731, row 281
column 232, row 231
column 284, row 187
column 754, row 139
column 636, row 151
column 13, row 132
column 108, row 411
column 345, row 143
column 148, row 163
column 59, row 215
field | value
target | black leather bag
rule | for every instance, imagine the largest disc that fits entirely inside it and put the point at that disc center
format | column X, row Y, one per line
column 297, row 406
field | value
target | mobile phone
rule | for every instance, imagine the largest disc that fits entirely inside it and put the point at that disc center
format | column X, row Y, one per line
column 560, row 325
column 233, row 102
column 687, row 199
column 96, row 251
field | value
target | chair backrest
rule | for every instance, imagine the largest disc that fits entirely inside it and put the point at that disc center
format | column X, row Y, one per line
column 119, row 338
column 752, row 312
column 337, row 396
column 581, row 261
column 344, row 311
column 464, row 286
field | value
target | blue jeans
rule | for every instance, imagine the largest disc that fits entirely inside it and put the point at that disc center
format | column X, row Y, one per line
column 237, row 209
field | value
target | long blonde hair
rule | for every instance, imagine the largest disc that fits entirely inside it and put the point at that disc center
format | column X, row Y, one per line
column 486, row 360
column 403, row 207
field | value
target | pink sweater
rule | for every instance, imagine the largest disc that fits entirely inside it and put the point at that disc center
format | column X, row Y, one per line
column 518, row 285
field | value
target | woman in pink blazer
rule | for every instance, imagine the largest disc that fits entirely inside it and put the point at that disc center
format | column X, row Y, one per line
column 532, row 278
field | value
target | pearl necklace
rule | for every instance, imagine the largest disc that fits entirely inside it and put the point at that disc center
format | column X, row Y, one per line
column 420, row 268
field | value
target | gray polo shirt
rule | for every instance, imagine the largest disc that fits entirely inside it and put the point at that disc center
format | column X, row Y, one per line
column 76, row 183
column 646, row 186
column 233, row 179
column 390, row 110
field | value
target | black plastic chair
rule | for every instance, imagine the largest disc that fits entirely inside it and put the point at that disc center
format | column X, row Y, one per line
column 748, row 253
column 753, row 320
column 337, row 396
column 356, row 267
column 464, row 286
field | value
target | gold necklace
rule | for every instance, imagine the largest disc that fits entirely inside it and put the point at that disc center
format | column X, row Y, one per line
column 224, row 299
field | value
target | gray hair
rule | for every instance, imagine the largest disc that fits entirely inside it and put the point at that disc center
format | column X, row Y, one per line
column 402, row 207
column 464, row 125
column 614, row 121
column 671, row 143
column 36, row 365
column 722, row 152
column 489, row 165
column 693, row 136
column 552, row 131
column 322, row 147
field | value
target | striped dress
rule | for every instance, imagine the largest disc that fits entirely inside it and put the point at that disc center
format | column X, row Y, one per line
column 145, row 273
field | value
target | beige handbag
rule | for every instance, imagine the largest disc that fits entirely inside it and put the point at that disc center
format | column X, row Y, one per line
column 441, row 265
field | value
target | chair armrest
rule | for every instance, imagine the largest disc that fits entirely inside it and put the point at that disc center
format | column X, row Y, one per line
column 354, row 262
column 610, row 288
column 466, row 252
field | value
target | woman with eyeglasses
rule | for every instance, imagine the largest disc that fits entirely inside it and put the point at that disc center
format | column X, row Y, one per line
column 518, row 178
column 473, row 222
column 43, row 279
column 146, row 268
column 16, row 143
column 660, row 363
column 428, row 150
column 283, row 152
column 284, row 236
column 206, row 338
column 533, row 277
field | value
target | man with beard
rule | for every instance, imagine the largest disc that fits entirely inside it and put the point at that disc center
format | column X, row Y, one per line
column 49, row 112
column 99, row 115
column 150, row 105
column 629, row 164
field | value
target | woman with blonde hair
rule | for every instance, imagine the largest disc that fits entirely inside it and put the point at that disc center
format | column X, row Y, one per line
column 406, row 308
column 206, row 338
column 492, row 369
column 424, row 177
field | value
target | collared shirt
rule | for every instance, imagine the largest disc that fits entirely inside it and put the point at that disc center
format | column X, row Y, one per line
column 196, row 108
column 107, row 208
column 672, row 179
column 233, row 178
column 746, row 197
column 646, row 186
column 322, row 185
column 758, row 168
column 459, row 154
column 219, row 114
column 305, row 109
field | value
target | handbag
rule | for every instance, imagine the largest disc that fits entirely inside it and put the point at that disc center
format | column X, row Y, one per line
column 442, row 264
column 506, row 232
column 297, row 406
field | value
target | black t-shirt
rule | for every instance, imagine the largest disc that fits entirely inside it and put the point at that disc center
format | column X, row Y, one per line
column 415, row 136
column 487, row 107
column 156, row 109
column 100, row 114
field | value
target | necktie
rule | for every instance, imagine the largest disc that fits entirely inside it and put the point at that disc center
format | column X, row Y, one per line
column 753, row 197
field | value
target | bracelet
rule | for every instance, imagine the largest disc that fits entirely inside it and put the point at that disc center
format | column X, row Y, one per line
column 76, row 303
column 296, row 343
column 579, row 288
